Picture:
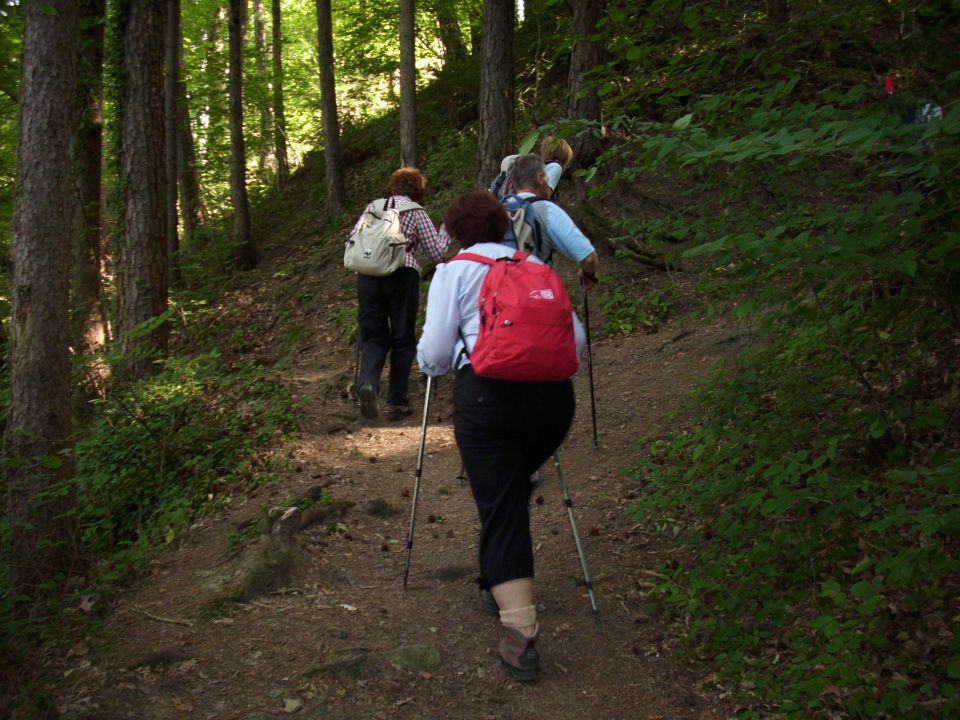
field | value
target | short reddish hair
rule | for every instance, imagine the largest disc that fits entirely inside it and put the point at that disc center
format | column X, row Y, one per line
column 476, row 217
column 407, row 181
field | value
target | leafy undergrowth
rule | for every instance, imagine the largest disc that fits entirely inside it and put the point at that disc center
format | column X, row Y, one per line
column 818, row 491
column 169, row 448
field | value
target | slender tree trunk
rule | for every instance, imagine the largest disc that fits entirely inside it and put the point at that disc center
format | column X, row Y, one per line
column 496, row 90
column 171, row 137
column 244, row 254
column 89, row 322
column 38, row 418
column 191, row 200
column 584, row 101
column 454, row 49
column 408, row 85
column 142, row 271
column 331, row 123
column 260, row 39
column 778, row 12
column 279, row 118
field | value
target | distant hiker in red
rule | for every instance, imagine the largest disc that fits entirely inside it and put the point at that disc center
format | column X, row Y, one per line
column 388, row 299
column 505, row 429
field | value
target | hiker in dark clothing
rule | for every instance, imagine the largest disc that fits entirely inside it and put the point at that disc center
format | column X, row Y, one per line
column 387, row 306
column 504, row 429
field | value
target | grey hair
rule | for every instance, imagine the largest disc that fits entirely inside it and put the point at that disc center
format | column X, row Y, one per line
column 526, row 169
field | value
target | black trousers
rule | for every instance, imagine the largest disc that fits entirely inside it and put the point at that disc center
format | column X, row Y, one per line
column 505, row 431
column 387, row 317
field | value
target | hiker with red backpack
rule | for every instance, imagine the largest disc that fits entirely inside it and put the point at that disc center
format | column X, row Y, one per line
column 502, row 321
column 381, row 251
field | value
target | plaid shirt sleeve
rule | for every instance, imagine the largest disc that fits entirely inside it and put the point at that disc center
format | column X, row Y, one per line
column 417, row 226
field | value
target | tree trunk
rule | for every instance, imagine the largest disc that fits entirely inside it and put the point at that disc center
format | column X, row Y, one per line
column 279, row 118
column 331, row 124
column 191, row 201
column 89, row 322
column 38, row 418
column 408, row 85
column 496, row 90
column 171, row 137
column 584, row 102
column 260, row 41
column 244, row 254
column 142, row 266
column 454, row 50
column 778, row 12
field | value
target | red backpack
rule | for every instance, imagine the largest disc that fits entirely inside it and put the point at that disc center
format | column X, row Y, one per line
column 526, row 322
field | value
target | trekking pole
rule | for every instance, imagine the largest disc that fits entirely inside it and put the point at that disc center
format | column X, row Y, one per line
column 576, row 537
column 593, row 402
column 356, row 372
column 416, row 484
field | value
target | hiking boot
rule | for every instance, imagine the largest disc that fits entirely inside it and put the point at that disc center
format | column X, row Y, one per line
column 368, row 402
column 488, row 605
column 520, row 655
column 399, row 412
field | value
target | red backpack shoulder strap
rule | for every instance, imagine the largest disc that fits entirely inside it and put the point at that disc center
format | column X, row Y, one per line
column 474, row 257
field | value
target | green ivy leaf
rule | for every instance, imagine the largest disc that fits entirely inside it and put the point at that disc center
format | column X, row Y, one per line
column 683, row 123
column 528, row 142
column 51, row 462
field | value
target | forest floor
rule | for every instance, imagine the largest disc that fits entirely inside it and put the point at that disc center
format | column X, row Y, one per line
column 325, row 628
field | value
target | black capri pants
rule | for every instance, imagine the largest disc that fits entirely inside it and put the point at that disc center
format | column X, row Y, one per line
column 505, row 431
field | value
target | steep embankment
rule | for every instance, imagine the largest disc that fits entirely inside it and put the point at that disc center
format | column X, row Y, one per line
column 304, row 612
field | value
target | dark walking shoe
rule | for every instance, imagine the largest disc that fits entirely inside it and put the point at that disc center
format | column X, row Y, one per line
column 368, row 402
column 488, row 605
column 520, row 655
column 399, row 412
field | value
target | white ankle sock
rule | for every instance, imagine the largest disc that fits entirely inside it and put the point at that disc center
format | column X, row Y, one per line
column 522, row 619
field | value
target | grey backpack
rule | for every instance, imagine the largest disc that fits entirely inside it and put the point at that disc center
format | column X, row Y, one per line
column 377, row 247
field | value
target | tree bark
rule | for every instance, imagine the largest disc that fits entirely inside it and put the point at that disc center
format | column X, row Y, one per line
column 495, row 136
column 142, row 266
column 38, row 418
column 408, row 85
column 778, row 12
column 260, row 42
column 454, row 49
column 331, row 123
column 171, row 137
column 279, row 117
column 244, row 254
column 89, row 321
column 584, row 102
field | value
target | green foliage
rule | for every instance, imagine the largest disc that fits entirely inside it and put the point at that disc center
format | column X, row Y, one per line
column 624, row 313
column 164, row 449
column 818, row 490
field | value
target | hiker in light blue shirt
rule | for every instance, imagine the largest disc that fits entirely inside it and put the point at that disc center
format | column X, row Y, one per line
column 560, row 232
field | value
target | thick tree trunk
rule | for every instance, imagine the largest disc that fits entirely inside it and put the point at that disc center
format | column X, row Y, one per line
column 171, row 137
column 496, row 90
column 142, row 271
column 89, row 321
column 408, row 85
column 331, row 123
column 454, row 49
column 279, row 117
column 244, row 254
column 260, row 41
column 38, row 420
column 584, row 101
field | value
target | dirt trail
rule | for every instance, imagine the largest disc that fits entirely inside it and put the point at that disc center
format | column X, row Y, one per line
column 339, row 636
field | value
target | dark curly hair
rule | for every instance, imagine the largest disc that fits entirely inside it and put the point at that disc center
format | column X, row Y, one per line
column 407, row 181
column 476, row 217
